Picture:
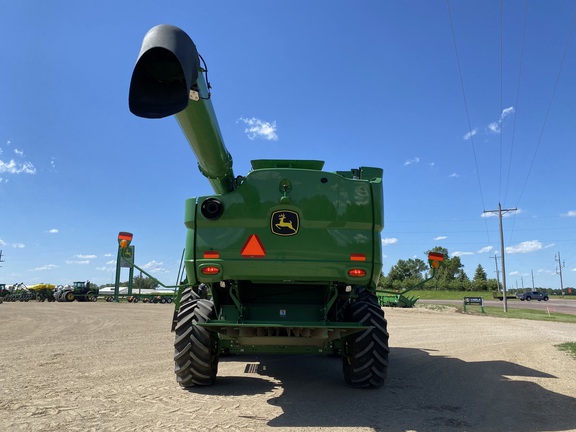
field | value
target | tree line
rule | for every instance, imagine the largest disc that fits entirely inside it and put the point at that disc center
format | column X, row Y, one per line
column 449, row 276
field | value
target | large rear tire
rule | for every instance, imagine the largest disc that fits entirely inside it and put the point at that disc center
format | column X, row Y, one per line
column 195, row 348
column 365, row 354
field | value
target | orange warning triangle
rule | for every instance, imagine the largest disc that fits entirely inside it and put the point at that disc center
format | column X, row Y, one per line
column 253, row 247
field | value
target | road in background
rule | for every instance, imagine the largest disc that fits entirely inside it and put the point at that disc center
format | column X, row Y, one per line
column 552, row 305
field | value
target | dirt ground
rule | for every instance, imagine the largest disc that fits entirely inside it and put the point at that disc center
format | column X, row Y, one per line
column 108, row 367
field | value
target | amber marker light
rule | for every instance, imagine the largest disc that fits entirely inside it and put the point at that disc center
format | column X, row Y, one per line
column 211, row 254
column 357, row 257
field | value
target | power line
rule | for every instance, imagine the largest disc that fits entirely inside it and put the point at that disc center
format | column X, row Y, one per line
column 549, row 107
column 501, row 93
column 517, row 99
column 467, row 112
column 500, row 212
column 561, row 265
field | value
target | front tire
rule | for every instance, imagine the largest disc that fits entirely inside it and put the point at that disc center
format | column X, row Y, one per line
column 365, row 354
column 195, row 348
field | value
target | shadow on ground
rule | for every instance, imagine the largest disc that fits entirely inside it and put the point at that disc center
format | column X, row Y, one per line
column 424, row 391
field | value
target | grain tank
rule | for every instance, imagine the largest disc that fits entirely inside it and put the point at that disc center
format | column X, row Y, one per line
column 284, row 259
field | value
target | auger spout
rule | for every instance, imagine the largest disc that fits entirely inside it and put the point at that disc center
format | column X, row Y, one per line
column 168, row 80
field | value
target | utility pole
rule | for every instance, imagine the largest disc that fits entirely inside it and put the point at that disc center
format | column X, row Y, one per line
column 500, row 212
column 533, row 288
column 1, row 260
column 497, row 272
column 561, row 265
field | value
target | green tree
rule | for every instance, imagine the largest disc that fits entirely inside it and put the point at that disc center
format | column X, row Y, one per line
column 407, row 269
column 480, row 279
column 141, row 282
column 450, row 275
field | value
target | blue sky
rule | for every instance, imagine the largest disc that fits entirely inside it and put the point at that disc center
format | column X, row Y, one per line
column 371, row 83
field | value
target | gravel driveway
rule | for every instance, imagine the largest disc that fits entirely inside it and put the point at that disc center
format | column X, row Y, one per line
column 108, row 367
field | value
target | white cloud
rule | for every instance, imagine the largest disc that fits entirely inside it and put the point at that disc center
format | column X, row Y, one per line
column 514, row 273
column 17, row 168
column 454, row 175
column 78, row 262
column 486, row 249
column 108, row 255
column 18, row 245
column 46, row 267
column 154, row 267
column 106, row 269
column 441, row 238
column 570, row 213
column 86, row 256
column 389, row 241
column 111, row 262
column 460, row 253
column 525, row 247
column 2, row 242
column 506, row 112
column 412, row 161
column 495, row 127
column 470, row 134
column 260, row 129
column 53, row 231
column 19, row 152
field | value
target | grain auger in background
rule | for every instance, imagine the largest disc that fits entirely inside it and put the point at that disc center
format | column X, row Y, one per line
column 283, row 260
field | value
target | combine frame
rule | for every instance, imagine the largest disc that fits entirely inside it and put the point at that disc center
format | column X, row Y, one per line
column 285, row 259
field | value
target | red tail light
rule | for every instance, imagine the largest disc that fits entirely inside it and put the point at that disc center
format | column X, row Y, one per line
column 210, row 270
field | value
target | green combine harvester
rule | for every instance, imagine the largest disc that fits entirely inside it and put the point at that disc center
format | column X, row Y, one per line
column 283, row 260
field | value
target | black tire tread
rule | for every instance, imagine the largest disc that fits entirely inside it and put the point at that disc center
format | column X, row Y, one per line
column 365, row 359
column 195, row 348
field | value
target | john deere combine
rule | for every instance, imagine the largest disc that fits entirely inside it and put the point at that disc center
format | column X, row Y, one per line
column 283, row 260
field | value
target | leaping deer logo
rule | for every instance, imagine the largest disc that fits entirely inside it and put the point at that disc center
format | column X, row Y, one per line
column 285, row 223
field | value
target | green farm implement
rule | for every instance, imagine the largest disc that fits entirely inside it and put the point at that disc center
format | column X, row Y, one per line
column 285, row 259
column 43, row 292
column 16, row 293
column 80, row 291
column 398, row 298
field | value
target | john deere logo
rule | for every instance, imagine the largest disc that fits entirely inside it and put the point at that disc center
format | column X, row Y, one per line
column 285, row 223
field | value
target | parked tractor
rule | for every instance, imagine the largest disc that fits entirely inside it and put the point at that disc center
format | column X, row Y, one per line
column 290, row 254
column 80, row 291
